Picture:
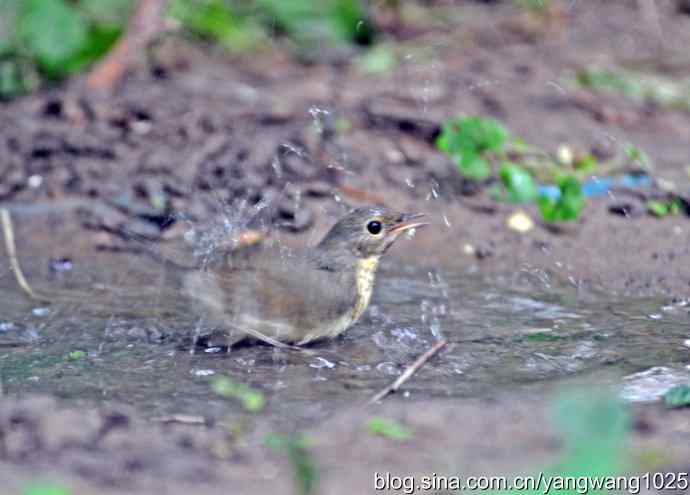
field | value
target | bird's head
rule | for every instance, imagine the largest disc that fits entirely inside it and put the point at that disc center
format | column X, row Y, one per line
column 370, row 231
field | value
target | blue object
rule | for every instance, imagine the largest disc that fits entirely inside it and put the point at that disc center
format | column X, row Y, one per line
column 601, row 185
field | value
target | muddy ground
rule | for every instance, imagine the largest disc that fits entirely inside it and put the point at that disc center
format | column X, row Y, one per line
column 110, row 450
column 195, row 138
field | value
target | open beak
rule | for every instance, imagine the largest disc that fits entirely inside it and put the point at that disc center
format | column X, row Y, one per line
column 408, row 221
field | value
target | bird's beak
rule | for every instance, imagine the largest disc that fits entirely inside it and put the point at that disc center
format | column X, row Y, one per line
column 408, row 221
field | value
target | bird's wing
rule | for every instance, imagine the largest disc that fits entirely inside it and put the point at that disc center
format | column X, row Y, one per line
column 273, row 298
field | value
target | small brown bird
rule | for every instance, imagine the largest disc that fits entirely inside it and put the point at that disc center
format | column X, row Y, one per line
column 287, row 296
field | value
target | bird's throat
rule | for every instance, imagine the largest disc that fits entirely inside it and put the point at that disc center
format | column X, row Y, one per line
column 364, row 280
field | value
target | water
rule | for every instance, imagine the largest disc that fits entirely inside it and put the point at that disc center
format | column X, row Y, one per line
column 133, row 330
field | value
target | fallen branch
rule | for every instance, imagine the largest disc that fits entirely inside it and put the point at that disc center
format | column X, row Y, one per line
column 145, row 24
column 411, row 370
column 10, row 246
column 185, row 419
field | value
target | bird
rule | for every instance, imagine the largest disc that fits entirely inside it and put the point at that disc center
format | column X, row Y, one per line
column 291, row 297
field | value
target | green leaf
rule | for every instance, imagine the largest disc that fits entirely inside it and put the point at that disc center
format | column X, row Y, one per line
column 378, row 60
column 217, row 21
column 639, row 157
column 568, row 206
column 53, row 32
column 658, row 208
column 469, row 141
column 350, row 21
column 473, row 166
column 518, row 183
column 76, row 355
column 17, row 77
column 252, row 400
column 304, row 468
column 389, row 428
column 664, row 208
column 678, row 396
column 100, row 40
column 594, row 428
column 585, row 164
column 46, row 490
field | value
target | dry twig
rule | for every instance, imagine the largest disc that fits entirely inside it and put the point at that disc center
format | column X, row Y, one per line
column 145, row 24
column 409, row 371
column 185, row 419
column 11, row 247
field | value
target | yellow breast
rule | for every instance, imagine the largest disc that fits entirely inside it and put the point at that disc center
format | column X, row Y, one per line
column 364, row 281
column 366, row 272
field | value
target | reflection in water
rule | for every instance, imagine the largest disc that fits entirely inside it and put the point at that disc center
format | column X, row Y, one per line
column 135, row 342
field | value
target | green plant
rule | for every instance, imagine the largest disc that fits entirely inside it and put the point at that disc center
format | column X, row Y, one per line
column 664, row 208
column 304, row 468
column 252, row 400
column 76, row 355
column 389, row 428
column 310, row 23
column 594, row 430
column 46, row 489
column 52, row 39
column 477, row 145
column 217, row 21
column 535, row 5
column 380, row 59
column 637, row 85
column 567, row 206
column 518, row 183
column 678, row 396
column 472, row 142
column 638, row 157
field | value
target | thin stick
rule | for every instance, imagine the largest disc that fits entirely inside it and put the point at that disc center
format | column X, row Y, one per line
column 185, row 419
column 409, row 371
column 11, row 247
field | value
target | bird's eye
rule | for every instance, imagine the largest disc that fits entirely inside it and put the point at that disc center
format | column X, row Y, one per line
column 374, row 227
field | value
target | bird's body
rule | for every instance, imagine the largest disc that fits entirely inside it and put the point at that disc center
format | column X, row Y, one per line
column 298, row 295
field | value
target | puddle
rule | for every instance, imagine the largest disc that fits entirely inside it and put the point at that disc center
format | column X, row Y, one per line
column 124, row 337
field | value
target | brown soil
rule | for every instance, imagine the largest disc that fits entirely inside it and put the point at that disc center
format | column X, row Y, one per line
column 111, row 451
column 206, row 135
column 196, row 135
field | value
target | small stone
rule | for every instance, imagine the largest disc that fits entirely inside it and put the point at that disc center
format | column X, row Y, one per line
column 520, row 222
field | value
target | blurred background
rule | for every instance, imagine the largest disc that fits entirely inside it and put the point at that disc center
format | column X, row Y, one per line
column 547, row 140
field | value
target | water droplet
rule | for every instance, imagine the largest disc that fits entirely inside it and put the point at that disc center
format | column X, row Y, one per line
column 40, row 311
column 6, row 326
column 61, row 265
column 322, row 363
column 35, row 181
column 380, row 339
column 388, row 368
column 404, row 333
column 203, row 372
